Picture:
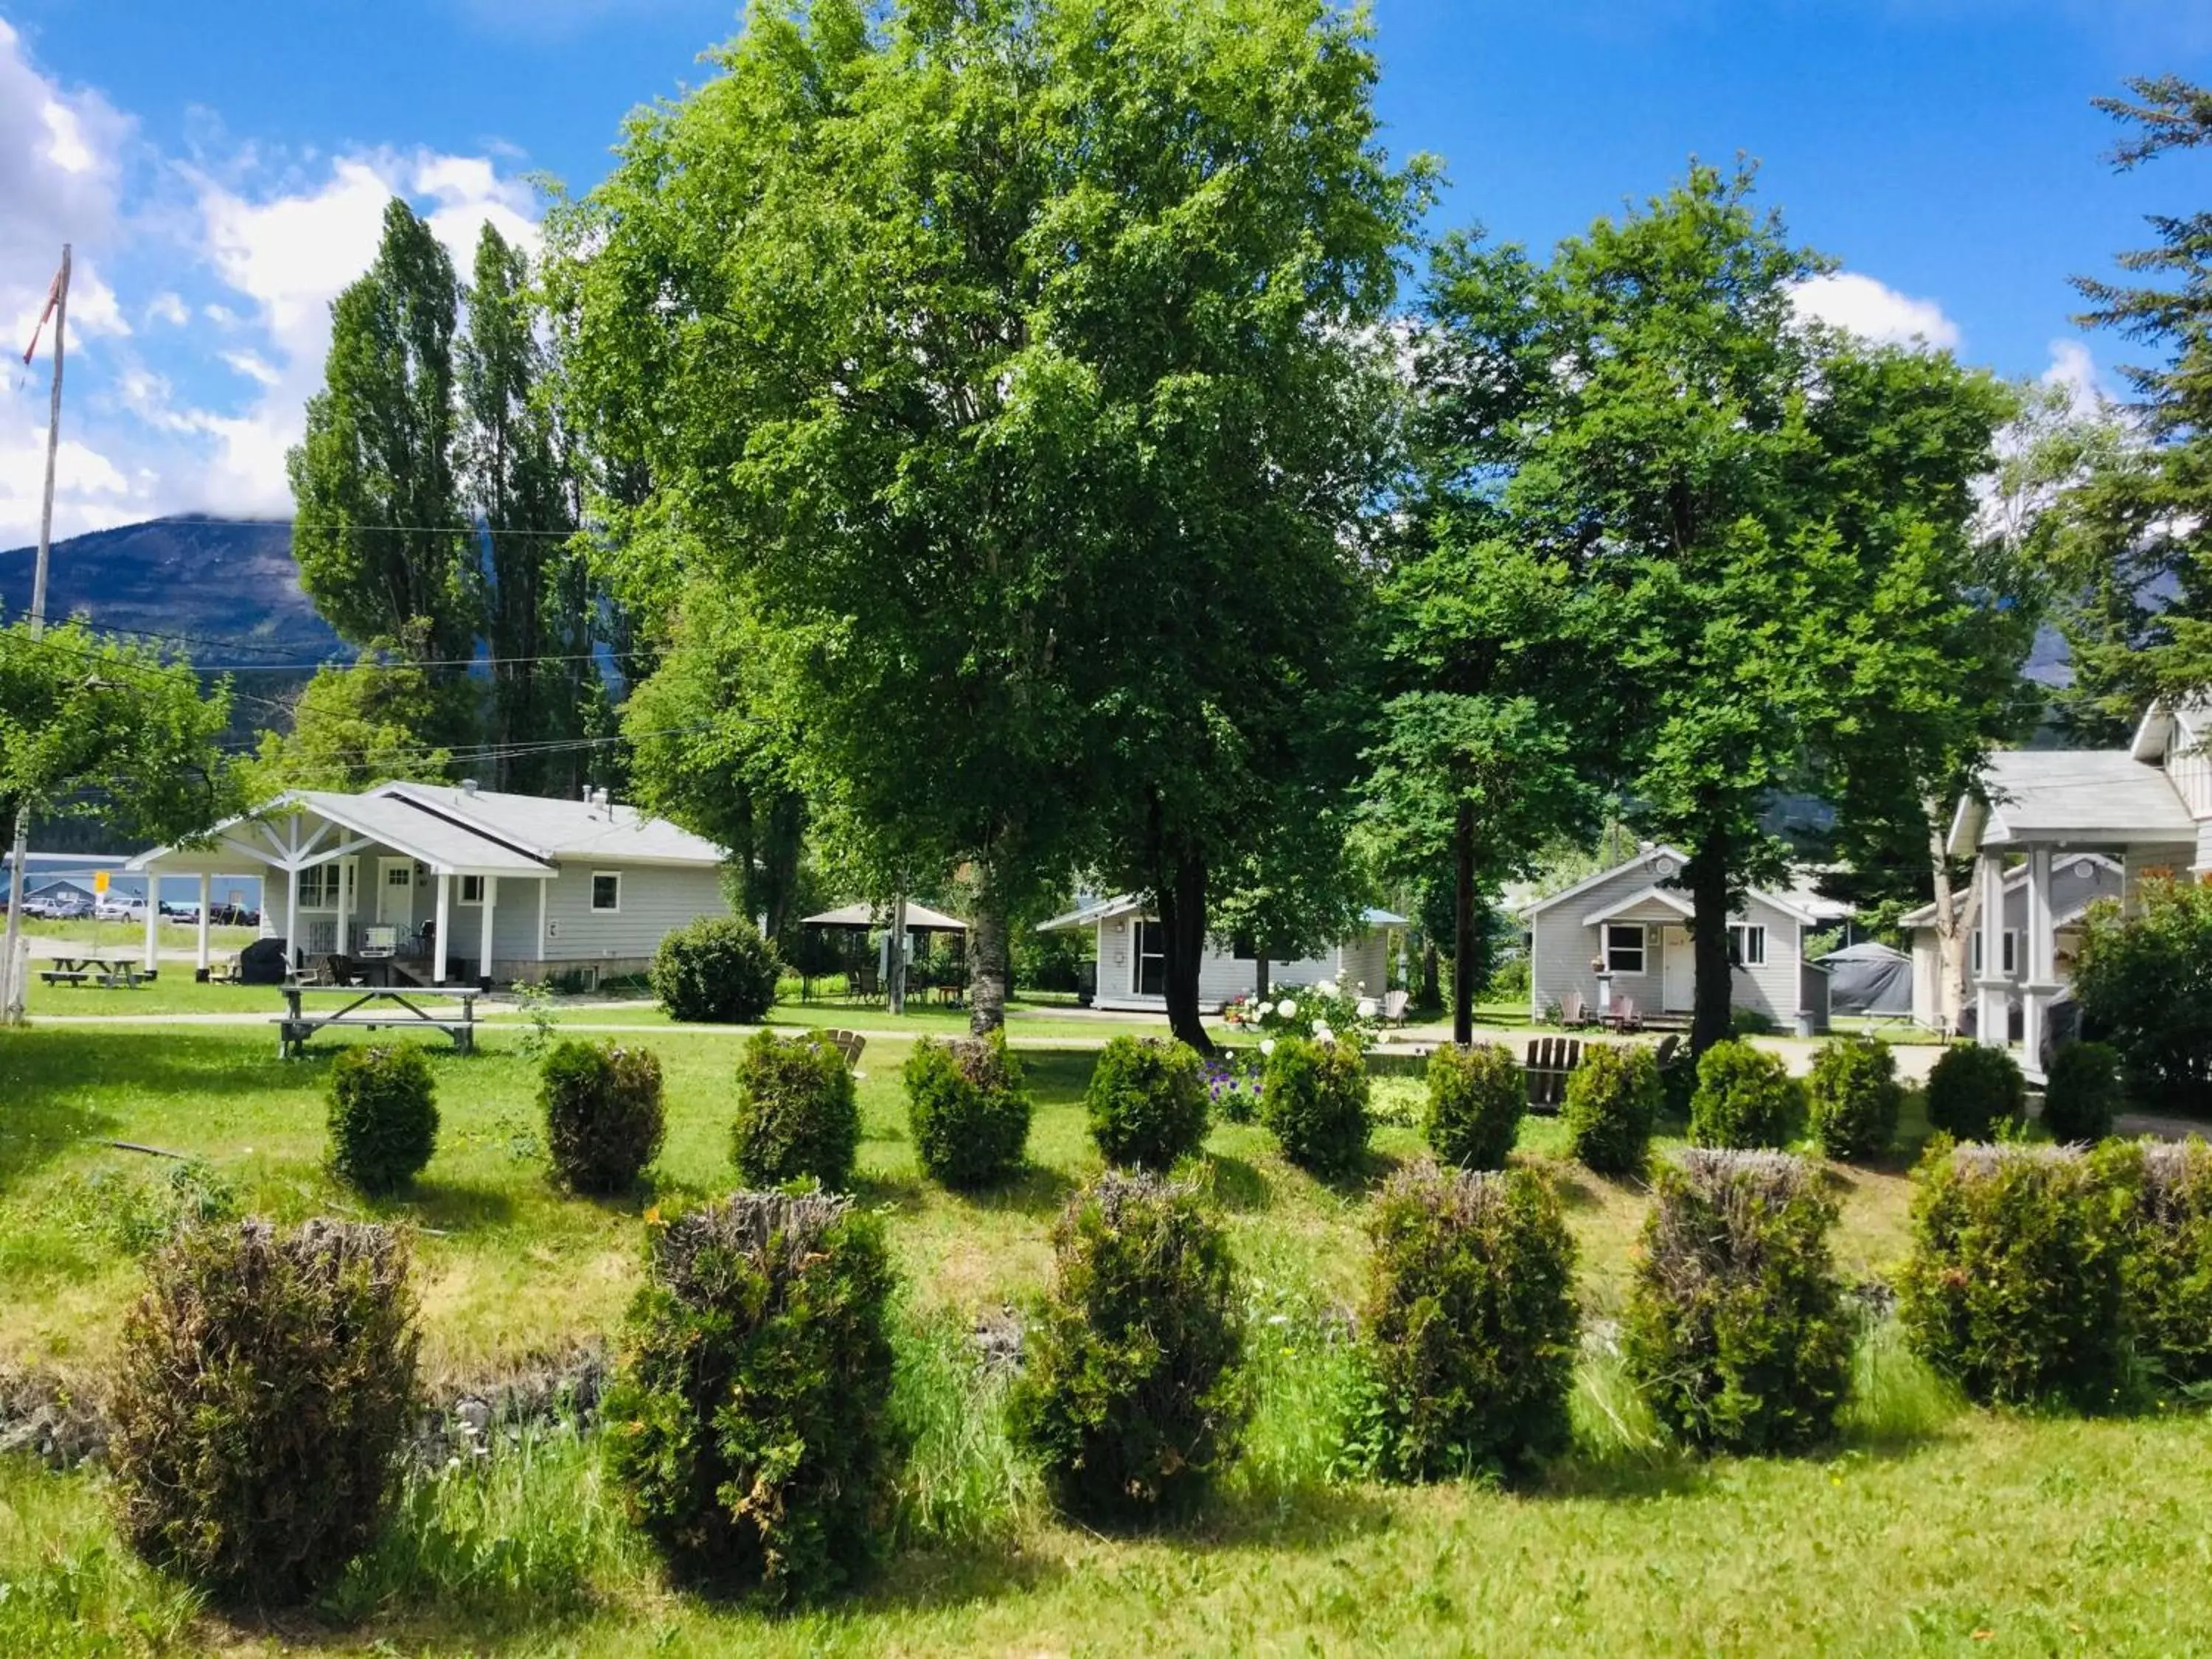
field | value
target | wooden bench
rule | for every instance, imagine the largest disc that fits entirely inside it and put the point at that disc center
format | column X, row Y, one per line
column 113, row 973
column 1550, row 1060
column 385, row 1009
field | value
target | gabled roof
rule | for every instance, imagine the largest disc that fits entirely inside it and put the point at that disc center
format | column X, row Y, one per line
column 2169, row 729
column 2071, row 795
column 549, row 828
column 1654, row 894
column 2014, row 878
column 1799, row 902
column 1648, row 855
column 1129, row 904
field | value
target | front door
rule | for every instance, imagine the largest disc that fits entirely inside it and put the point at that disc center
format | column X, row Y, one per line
column 395, row 893
column 1677, row 968
column 1151, row 964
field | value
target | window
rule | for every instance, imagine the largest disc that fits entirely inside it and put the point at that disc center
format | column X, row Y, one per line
column 472, row 890
column 1747, row 945
column 1151, row 968
column 606, row 891
column 1623, row 946
column 399, row 875
column 2007, row 953
column 318, row 887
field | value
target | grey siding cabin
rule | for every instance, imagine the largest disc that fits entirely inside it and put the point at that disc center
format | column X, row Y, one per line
column 1133, row 962
column 1631, row 920
column 461, row 883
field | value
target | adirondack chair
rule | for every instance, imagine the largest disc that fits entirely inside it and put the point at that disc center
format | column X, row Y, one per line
column 1550, row 1060
column 1394, row 1007
column 1665, row 1057
column 1626, row 1015
column 1573, row 1013
column 850, row 1044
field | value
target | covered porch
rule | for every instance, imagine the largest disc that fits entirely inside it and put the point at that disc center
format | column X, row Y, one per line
column 362, row 878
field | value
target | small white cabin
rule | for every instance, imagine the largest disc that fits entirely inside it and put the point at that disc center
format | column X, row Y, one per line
column 1133, row 959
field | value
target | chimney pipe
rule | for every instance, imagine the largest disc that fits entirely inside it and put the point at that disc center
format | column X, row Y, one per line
column 468, row 785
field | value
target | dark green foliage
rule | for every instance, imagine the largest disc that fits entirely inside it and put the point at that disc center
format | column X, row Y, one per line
column 1611, row 1099
column 1132, row 1395
column 384, row 1115
column 2171, row 1269
column 1855, row 1096
column 749, row 1424
column 2082, row 1095
column 1476, row 1097
column 1973, row 1089
column 1745, row 1099
column 1736, row 1331
column 1147, row 1102
column 968, row 1109
column 799, row 1114
column 2016, row 1283
column 1314, row 1100
column 604, row 1121
column 1470, row 1324
column 718, row 970
column 1750, row 1021
column 2145, row 981
column 266, row 1386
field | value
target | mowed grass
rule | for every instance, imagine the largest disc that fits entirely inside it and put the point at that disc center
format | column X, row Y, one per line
column 1930, row 1528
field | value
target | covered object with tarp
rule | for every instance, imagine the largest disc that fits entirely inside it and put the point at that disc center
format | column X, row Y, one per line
column 1869, row 980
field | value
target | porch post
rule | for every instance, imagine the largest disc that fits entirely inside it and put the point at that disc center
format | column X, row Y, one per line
column 1991, row 985
column 207, row 894
column 345, row 907
column 483, row 950
column 2041, row 979
column 444, row 927
column 294, row 949
column 152, row 918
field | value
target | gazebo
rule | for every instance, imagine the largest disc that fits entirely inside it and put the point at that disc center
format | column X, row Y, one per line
column 854, row 922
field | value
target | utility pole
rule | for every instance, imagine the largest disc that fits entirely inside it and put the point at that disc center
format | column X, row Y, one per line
column 11, row 967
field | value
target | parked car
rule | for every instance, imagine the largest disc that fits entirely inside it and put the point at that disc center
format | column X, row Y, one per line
column 119, row 910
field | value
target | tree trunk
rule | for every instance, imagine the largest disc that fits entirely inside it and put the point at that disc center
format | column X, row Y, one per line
column 987, row 946
column 1431, row 994
column 1954, row 915
column 1707, row 879
column 1260, row 977
column 1463, row 926
column 1181, row 903
column 895, row 959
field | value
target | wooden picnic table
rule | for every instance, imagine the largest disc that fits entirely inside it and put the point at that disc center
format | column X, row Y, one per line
column 115, row 973
column 388, row 1007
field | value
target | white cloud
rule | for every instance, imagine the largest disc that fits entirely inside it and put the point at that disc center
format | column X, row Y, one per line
column 169, row 308
column 1873, row 311
column 251, row 367
column 2075, row 369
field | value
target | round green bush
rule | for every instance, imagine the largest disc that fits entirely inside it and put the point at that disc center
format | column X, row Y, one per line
column 1745, row 1099
column 799, row 1114
column 1736, row 1332
column 1972, row 1089
column 717, row 971
column 749, row 1418
column 2017, row 1284
column 1855, row 1098
column 1132, row 1395
column 1313, row 1099
column 1147, row 1102
column 383, row 1117
column 604, row 1121
column 1468, row 1336
column 1476, row 1097
column 1612, row 1099
column 968, row 1111
column 2083, row 1094
column 264, row 1392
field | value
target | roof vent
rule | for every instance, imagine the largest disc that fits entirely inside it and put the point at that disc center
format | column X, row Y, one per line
column 598, row 798
column 587, row 794
column 468, row 785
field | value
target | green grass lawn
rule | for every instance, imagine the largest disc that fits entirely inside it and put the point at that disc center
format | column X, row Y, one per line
column 127, row 938
column 1930, row 1528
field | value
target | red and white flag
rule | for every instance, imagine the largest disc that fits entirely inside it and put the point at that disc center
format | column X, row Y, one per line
column 53, row 299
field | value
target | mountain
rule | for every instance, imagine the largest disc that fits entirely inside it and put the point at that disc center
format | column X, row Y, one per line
column 230, row 589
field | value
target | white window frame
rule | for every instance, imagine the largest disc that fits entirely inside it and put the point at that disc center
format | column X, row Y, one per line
column 1742, row 935
column 2008, row 955
column 333, row 881
column 462, row 896
column 1642, row 949
column 399, row 875
column 1139, row 956
column 598, row 909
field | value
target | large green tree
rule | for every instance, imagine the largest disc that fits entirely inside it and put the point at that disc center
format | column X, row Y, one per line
column 1006, row 361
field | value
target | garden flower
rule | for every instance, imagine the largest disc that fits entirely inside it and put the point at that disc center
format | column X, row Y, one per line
column 1268, row 1047
column 1267, row 1008
column 1287, row 1009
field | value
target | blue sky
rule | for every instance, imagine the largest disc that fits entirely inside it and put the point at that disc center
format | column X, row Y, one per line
column 221, row 169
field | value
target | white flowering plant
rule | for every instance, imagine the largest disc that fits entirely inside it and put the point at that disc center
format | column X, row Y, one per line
column 1327, row 1012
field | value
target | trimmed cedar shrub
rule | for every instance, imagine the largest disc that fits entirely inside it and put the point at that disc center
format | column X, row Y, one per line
column 2082, row 1096
column 1972, row 1089
column 1477, row 1097
column 2016, row 1286
column 1147, row 1102
column 1470, row 1326
column 1736, row 1331
column 717, row 971
column 799, row 1114
column 383, row 1117
column 748, row 1421
column 1132, row 1395
column 1745, row 1099
column 604, row 1121
column 1855, row 1098
column 1612, row 1098
column 1314, row 1102
column 2144, row 982
column 968, row 1111
column 265, row 1391
column 2172, row 1263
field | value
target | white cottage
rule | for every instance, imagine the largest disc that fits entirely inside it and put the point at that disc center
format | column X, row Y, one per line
column 1634, row 923
column 456, row 883
column 1133, row 959
column 2076, row 882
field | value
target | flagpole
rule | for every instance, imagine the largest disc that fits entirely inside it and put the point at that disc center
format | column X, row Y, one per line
column 12, row 975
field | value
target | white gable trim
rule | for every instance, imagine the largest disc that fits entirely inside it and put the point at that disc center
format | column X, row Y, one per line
column 1653, row 894
column 1652, row 855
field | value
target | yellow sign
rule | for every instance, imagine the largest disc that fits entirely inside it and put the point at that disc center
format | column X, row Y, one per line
column 100, row 881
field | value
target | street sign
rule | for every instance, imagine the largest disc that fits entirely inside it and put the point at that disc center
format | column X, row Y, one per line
column 100, row 881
